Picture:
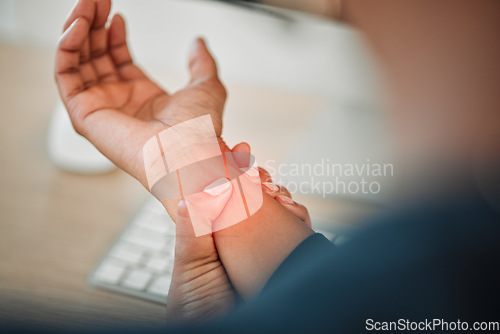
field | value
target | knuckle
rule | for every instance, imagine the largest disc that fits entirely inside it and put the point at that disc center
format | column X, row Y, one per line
column 284, row 191
column 77, row 126
column 214, row 84
column 213, row 89
column 217, row 84
column 77, row 122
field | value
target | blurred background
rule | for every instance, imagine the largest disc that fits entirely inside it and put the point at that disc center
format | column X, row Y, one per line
column 301, row 89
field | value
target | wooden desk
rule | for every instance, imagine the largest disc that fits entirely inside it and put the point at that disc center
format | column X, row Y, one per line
column 55, row 225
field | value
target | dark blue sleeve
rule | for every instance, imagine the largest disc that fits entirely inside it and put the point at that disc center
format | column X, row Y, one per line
column 303, row 253
column 431, row 263
column 415, row 265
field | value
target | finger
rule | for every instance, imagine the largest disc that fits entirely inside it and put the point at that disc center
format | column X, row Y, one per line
column 274, row 190
column 295, row 208
column 183, row 225
column 67, row 66
column 100, row 58
column 85, row 51
column 119, row 51
column 207, row 205
column 88, row 73
column 87, row 10
column 243, row 158
column 84, row 9
column 187, row 245
column 282, row 195
column 264, row 175
column 98, row 36
column 103, row 7
column 201, row 63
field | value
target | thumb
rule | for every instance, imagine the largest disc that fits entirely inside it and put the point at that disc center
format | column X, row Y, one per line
column 204, row 208
column 241, row 154
column 201, row 63
column 183, row 226
column 188, row 247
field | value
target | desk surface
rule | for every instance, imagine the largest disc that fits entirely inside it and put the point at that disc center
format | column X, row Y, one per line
column 55, row 225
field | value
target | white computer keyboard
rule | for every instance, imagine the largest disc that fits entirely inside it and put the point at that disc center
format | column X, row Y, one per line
column 140, row 261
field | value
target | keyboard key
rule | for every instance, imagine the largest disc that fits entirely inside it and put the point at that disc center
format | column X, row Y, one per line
column 155, row 223
column 169, row 246
column 159, row 264
column 160, row 285
column 110, row 271
column 127, row 252
column 142, row 237
column 137, row 279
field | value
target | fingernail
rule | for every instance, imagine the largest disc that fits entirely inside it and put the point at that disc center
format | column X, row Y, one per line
column 263, row 172
column 182, row 208
column 247, row 147
column 250, row 171
column 270, row 186
column 195, row 47
column 74, row 23
column 218, row 187
column 285, row 199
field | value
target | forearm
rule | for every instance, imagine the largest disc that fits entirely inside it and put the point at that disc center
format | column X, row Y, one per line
column 252, row 232
column 252, row 249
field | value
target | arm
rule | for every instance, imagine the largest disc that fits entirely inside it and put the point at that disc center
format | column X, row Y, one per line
column 200, row 284
column 253, row 249
column 118, row 108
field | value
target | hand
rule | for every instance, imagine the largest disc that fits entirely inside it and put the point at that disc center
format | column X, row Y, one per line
column 200, row 286
column 282, row 195
column 279, row 193
column 110, row 100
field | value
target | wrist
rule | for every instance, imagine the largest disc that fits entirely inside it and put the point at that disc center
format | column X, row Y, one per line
column 179, row 146
column 189, row 161
column 275, row 230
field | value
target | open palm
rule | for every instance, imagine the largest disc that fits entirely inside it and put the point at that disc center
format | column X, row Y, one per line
column 111, row 101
